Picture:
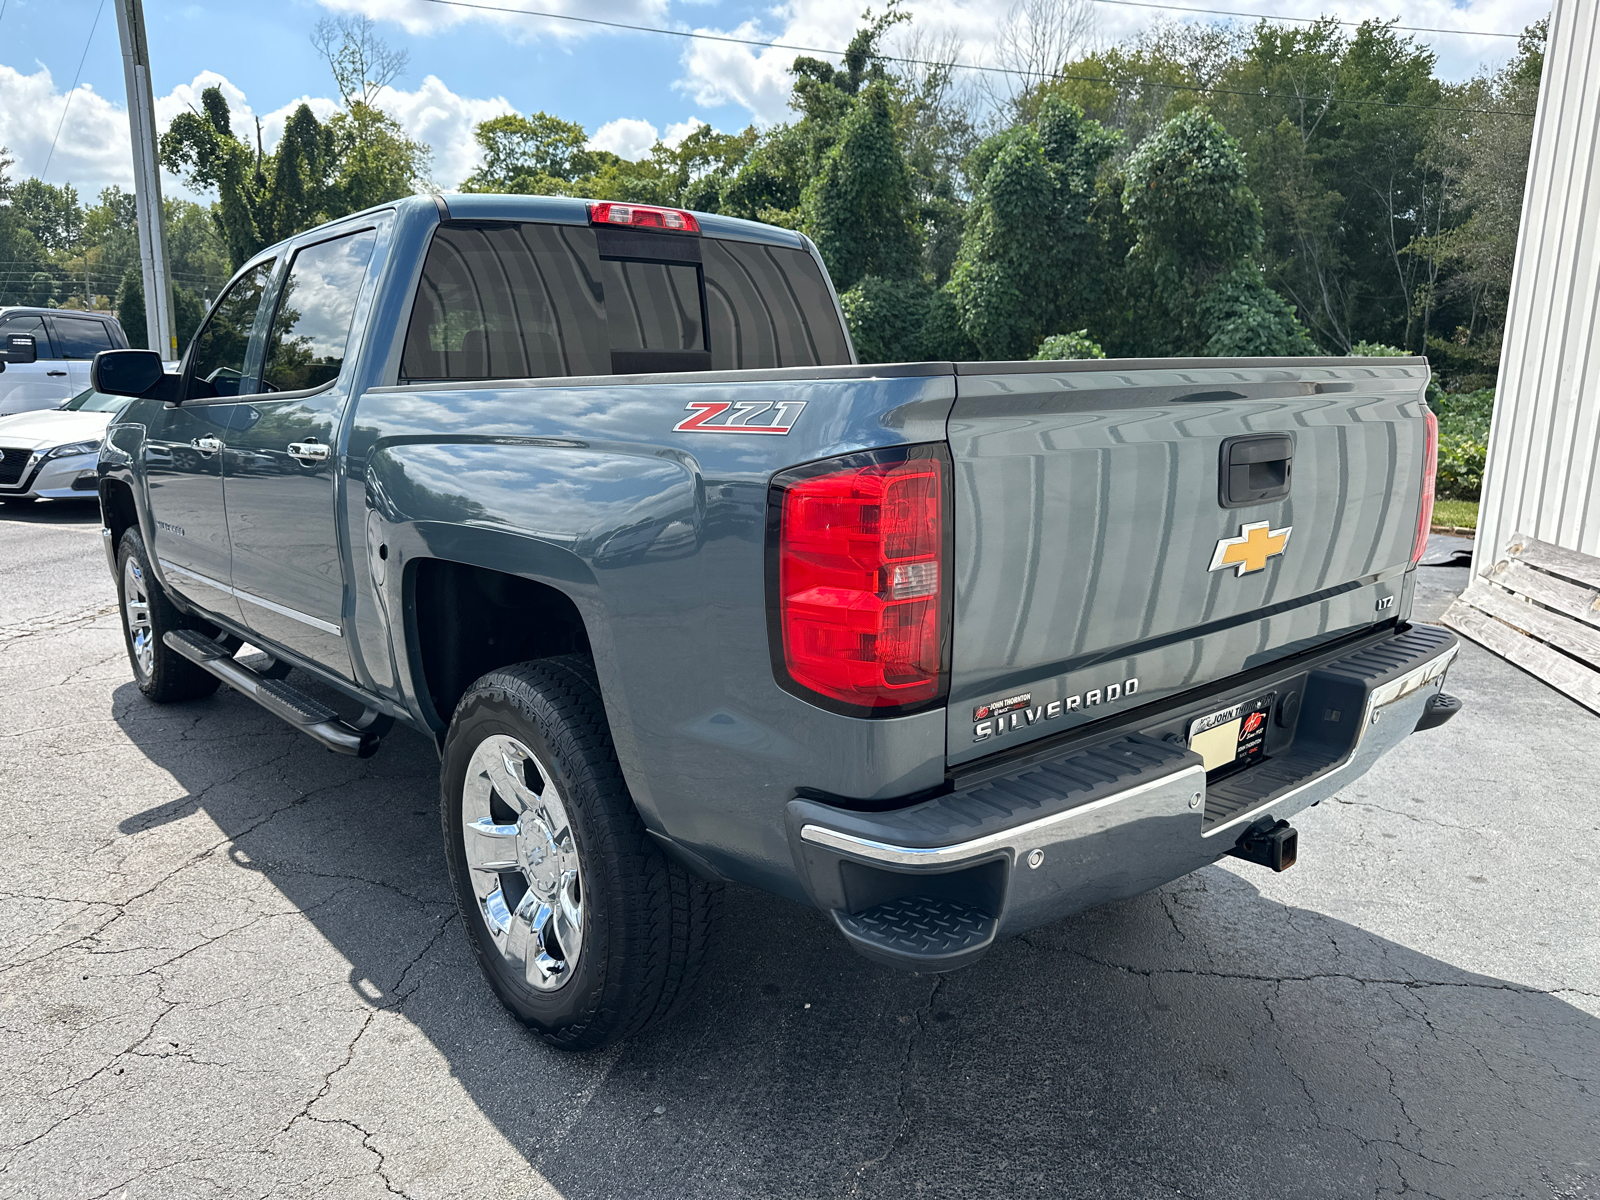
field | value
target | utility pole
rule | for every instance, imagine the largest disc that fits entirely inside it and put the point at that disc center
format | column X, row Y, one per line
column 162, row 334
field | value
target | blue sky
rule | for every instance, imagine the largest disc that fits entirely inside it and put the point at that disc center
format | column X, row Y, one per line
column 465, row 65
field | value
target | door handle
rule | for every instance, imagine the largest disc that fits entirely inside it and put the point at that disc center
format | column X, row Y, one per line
column 309, row 452
column 207, row 444
column 53, row 373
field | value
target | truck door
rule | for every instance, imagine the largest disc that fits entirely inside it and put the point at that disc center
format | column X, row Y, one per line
column 184, row 445
column 43, row 383
column 282, row 464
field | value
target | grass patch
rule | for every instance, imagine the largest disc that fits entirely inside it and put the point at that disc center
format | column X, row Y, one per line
column 1461, row 514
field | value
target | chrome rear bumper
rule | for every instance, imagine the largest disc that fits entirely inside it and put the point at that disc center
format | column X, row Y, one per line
column 1096, row 823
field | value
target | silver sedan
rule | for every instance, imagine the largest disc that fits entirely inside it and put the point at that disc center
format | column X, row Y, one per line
column 50, row 454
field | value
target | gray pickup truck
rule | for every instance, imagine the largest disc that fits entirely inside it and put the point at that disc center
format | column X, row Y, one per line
column 596, row 497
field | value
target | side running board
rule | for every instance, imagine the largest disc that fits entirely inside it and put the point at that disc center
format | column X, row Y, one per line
column 278, row 698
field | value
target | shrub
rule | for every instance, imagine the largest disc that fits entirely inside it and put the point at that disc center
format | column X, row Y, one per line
column 1069, row 345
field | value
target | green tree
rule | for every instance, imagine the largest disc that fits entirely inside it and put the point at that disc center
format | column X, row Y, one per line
column 1031, row 258
column 21, row 255
column 52, row 214
column 375, row 161
column 859, row 209
column 887, row 318
column 535, row 155
column 1481, row 154
column 1197, row 227
column 187, row 310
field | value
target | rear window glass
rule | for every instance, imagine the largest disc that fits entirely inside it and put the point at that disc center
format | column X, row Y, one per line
column 511, row 301
column 77, row 337
column 526, row 300
column 770, row 307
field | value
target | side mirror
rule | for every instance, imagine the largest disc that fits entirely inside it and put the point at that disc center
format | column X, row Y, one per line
column 132, row 373
column 21, row 348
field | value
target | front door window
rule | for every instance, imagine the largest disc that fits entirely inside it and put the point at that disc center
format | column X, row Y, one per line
column 220, row 348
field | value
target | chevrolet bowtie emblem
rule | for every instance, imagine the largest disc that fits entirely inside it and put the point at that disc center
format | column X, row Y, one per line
column 1250, row 551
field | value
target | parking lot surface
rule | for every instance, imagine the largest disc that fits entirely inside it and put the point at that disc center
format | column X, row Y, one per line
column 230, row 966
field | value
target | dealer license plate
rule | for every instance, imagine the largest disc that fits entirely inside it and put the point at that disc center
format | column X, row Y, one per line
column 1233, row 737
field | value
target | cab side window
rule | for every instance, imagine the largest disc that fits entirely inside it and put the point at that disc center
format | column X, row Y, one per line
column 310, row 332
column 32, row 325
column 80, row 337
column 217, row 359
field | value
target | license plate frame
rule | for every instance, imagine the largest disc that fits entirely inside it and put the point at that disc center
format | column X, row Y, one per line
column 1223, row 753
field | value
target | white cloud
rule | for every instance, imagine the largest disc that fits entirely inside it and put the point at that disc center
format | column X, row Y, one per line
column 436, row 115
column 631, row 137
column 93, row 149
column 673, row 137
column 628, row 137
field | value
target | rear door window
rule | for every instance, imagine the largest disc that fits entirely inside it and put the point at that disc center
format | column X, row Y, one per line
column 310, row 331
column 80, row 337
column 526, row 300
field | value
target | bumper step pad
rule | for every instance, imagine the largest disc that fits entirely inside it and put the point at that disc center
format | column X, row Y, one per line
column 924, row 932
column 283, row 701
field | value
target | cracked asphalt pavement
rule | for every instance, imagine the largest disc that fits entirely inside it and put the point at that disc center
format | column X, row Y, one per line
column 230, row 966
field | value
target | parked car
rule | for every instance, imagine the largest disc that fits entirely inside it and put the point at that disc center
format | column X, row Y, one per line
column 51, row 454
column 596, row 497
column 56, row 368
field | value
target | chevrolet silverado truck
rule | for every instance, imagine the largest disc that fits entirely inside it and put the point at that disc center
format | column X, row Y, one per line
column 596, row 497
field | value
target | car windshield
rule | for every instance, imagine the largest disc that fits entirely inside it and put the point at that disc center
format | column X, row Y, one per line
column 93, row 401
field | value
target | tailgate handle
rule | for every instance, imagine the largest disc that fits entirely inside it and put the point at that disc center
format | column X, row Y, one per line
column 1255, row 469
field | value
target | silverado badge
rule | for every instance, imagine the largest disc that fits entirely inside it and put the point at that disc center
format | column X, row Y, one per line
column 1250, row 551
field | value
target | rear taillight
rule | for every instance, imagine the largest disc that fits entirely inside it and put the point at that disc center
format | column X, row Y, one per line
column 643, row 216
column 859, row 570
column 1430, row 475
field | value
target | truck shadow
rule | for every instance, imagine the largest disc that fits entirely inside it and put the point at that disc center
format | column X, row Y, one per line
column 1199, row 1040
column 52, row 512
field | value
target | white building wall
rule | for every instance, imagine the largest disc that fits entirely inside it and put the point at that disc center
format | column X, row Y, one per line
column 1543, row 473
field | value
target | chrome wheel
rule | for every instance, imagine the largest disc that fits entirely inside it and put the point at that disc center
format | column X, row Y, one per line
column 136, row 611
column 523, row 861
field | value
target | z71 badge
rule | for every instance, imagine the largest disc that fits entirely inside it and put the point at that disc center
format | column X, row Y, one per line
column 740, row 416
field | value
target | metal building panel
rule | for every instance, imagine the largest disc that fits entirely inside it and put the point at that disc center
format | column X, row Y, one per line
column 1544, row 444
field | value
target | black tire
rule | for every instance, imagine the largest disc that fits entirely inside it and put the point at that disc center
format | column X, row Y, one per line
column 645, row 922
column 167, row 677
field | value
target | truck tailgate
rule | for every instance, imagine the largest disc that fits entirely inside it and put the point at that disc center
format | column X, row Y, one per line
column 1096, row 567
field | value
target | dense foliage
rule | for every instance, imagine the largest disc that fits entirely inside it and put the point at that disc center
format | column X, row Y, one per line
column 1207, row 190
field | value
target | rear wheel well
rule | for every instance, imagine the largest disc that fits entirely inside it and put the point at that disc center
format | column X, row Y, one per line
column 471, row 620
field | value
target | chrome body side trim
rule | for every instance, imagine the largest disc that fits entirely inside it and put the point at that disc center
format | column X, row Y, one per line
column 285, row 611
column 250, row 598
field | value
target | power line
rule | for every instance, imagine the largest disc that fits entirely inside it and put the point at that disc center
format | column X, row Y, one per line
column 1224, row 12
column 960, row 66
column 93, row 25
